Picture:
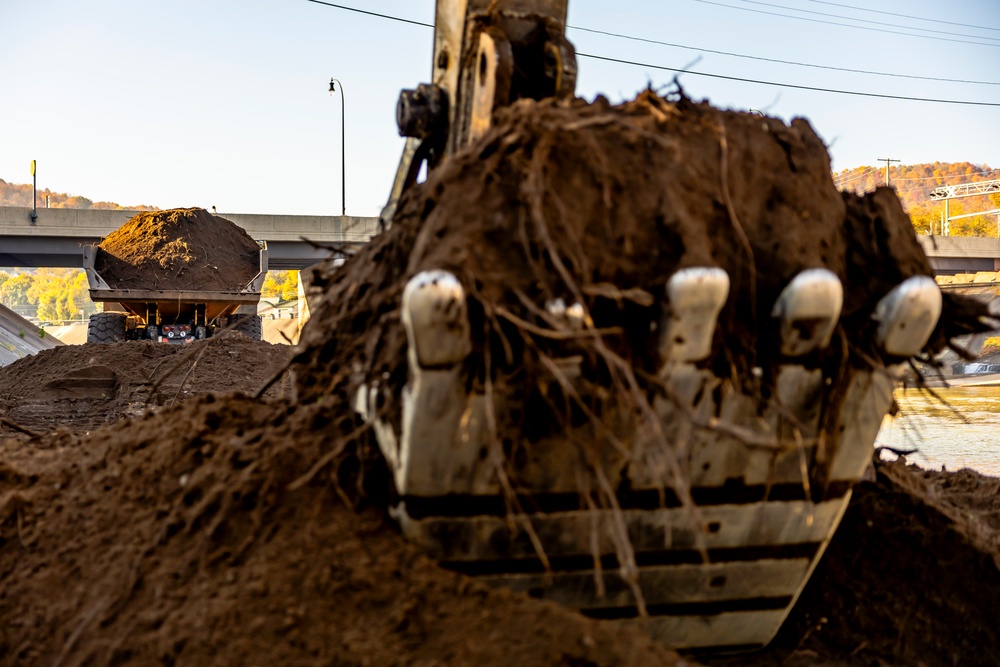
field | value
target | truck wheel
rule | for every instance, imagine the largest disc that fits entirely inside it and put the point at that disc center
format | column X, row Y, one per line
column 248, row 325
column 106, row 328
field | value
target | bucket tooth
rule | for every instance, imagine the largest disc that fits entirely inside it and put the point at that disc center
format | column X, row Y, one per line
column 807, row 311
column 573, row 317
column 430, row 455
column 435, row 319
column 695, row 297
column 907, row 315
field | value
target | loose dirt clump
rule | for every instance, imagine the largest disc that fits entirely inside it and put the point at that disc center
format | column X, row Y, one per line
column 178, row 249
column 81, row 387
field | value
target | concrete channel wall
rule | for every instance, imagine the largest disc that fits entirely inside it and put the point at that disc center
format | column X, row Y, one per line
column 20, row 338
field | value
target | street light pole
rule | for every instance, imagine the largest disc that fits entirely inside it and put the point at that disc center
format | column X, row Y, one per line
column 34, row 194
column 343, row 159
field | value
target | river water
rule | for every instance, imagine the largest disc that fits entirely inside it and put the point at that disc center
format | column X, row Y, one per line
column 963, row 431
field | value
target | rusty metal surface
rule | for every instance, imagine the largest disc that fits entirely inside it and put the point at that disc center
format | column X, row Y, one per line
column 449, row 32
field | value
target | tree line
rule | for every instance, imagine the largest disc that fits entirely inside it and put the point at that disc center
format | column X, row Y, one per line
column 49, row 295
column 12, row 194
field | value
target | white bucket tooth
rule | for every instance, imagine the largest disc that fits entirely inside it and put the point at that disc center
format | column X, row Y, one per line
column 556, row 308
column 907, row 316
column 576, row 316
column 695, row 297
column 429, row 456
column 435, row 318
column 808, row 310
column 573, row 317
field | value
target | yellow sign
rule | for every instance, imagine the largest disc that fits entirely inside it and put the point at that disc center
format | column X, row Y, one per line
column 32, row 167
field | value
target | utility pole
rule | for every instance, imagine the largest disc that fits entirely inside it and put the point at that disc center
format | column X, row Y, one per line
column 888, row 161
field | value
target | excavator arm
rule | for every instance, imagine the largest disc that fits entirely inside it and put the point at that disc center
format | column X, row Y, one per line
column 487, row 55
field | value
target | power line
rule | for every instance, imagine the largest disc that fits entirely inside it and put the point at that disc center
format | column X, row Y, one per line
column 931, row 178
column 381, row 16
column 843, row 179
column 693, row 73
column 845, row 25
column 851, row 18
column 779, row 61
column 789, row 85
column 915, row 18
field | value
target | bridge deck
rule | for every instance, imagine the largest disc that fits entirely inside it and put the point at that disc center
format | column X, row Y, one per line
column 55, row 238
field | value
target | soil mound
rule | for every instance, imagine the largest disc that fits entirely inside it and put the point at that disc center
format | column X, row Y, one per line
column 82, row 387
column 214, row 533
column 178, row 249
column 599, row 205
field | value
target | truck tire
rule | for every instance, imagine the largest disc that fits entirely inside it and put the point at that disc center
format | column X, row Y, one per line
column 106, row 328
column 248, row 325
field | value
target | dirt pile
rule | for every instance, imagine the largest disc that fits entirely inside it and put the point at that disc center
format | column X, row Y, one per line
column 82, row 387
column 214, row 533
column 178, row 249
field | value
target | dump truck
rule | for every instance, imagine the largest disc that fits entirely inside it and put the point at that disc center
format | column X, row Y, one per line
column 693, row 495
column 170, row 315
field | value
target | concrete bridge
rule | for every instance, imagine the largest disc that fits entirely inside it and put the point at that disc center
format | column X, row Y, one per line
column 950, row 255
column 55, row 238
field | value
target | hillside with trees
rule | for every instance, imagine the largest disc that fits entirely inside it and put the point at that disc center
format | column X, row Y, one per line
column 913, row 185
column 12, row 194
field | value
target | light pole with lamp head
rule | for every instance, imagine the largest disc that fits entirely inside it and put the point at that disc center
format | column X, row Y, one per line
column 343, row 160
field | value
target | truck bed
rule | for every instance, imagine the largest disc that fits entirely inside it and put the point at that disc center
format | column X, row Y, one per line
column 170, row 302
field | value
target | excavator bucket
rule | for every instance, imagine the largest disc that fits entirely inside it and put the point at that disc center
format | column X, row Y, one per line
column 643, row 352
column 719, row 529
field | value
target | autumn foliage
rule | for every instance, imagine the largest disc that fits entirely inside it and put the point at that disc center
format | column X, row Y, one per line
column 281, row 284
column 12, row 194
column 51, row 295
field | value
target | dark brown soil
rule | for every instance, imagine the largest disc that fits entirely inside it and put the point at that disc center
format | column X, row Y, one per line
column 81, row 387
column 178, row 249
column 212, row 533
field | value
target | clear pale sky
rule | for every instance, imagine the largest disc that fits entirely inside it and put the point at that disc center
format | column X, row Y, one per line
column 224, row 102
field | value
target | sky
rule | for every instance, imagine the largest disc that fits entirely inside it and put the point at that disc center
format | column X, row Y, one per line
column 179, row 103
